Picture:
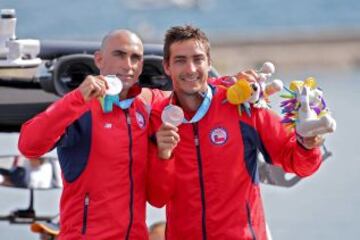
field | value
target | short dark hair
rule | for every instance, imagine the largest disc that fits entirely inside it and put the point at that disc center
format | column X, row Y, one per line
column 183, row 33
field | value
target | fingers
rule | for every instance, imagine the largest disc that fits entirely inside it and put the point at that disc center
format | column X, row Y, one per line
column 167, row 139
column 102, row 78
column 169, row 133
column 93, row 87
column 167, row 136
column 98, row 87
column 249, row 75
column 312, row 142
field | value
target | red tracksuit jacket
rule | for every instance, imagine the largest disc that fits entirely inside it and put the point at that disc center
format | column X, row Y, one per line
column 103, row 160
column 211, row 186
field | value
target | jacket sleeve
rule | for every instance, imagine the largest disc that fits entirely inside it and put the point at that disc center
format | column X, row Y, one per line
column 160, row 172
column 281, row 147
column 158, row 95
column 40, row 134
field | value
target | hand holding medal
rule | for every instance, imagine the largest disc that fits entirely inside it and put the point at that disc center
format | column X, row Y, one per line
column 167, row 136
column 112, row 93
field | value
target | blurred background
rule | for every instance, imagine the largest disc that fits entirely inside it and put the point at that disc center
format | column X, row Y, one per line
column 319, row 38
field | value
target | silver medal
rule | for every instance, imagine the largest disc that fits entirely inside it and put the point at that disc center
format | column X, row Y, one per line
column 114, row 84
column 172, row 114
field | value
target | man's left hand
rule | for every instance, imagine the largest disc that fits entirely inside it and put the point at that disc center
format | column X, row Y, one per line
column 311, row 142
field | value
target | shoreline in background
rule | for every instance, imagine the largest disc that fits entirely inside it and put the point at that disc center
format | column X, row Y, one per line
column 328, row 51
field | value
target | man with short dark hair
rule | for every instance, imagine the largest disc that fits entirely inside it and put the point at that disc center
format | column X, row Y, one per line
column 207, row 167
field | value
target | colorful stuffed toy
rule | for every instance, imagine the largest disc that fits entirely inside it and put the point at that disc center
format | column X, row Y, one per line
column 245, row 94
column 306, row 110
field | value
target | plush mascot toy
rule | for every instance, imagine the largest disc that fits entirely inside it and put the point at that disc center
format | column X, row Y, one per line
column 306, row 110
column 246, row 94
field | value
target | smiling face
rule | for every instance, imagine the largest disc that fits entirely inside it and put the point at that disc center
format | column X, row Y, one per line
column 121, row 55
column 188, row 66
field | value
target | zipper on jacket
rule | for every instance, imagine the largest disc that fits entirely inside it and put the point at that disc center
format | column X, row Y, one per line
column 201, row 180
column 131, row 203
column 249, row 220
column 85, row 213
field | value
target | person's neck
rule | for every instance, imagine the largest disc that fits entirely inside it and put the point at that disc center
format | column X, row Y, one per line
column 190, row 102
column 123, row 94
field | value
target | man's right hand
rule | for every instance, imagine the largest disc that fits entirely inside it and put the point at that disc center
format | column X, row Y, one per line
column 93, row 87
column 249, row 75
column 167, row 139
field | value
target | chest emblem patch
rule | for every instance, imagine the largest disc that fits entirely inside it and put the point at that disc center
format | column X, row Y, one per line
column 218, row 136
column 140, row 119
